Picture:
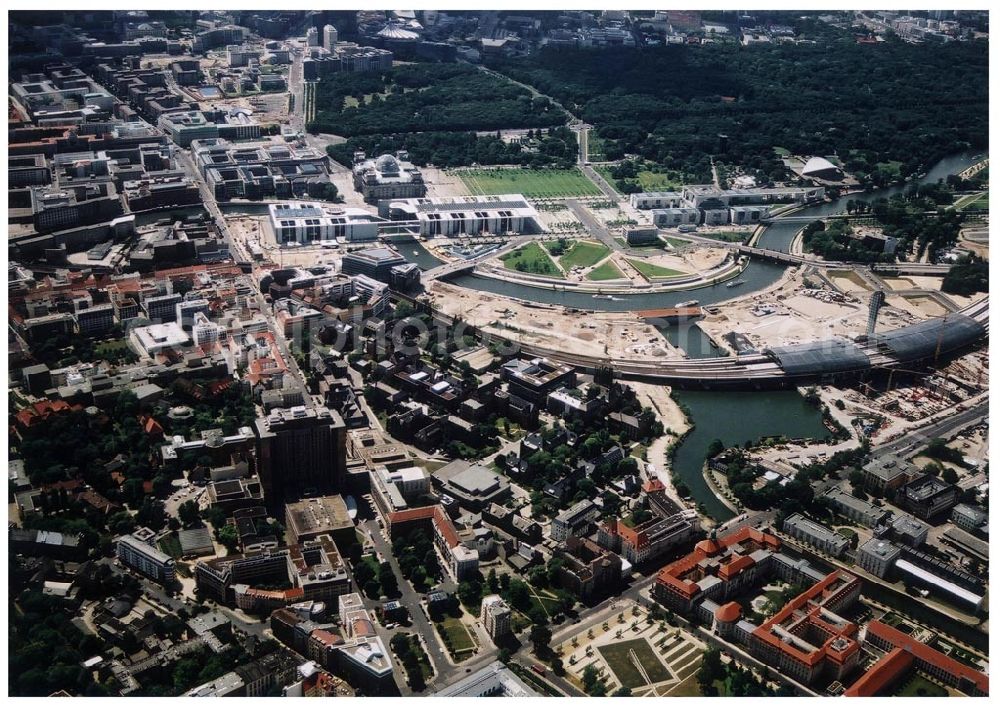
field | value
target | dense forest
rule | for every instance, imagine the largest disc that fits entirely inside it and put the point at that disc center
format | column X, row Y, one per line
column 551, row 147
column 427, row 97
column 967, row 278
column 887, row 110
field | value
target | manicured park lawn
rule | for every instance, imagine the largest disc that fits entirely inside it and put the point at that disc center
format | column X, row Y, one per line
column 534, row 184
column 605, row 271
column 530, row 258
column 623, row 666
column 651, row 270
column 457, row 634
column 583, row 253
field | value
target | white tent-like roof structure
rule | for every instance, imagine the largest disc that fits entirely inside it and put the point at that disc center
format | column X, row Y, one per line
column 819, row 165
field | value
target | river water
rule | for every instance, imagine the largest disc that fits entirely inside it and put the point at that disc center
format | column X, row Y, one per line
column 733, row 417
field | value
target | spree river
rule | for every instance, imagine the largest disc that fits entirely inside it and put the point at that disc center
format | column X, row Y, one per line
column 733, row 417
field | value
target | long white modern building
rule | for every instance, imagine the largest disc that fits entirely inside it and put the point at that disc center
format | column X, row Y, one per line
column 302, row 222
column 445, row 216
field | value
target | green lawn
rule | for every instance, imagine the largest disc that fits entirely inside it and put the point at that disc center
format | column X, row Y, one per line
column 782, row 152
column 583, row 253
column 654, row 271
column 657, row 181
column 456, row 635
column 619, row 660
column 974, row 201
column 109, row 347
column 171, row 546
column 534, row 184
column 531, row 258
column 649, row 181
column 595, row 147
column 917, row 685
column 731, row 236
column 606, row 271
column 425, row 665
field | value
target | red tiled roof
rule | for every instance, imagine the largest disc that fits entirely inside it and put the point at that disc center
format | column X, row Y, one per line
column 417, row 514
column 730, row 612
column 884, row 673
column 326, row 637
column 445, row 527
column 929, row 655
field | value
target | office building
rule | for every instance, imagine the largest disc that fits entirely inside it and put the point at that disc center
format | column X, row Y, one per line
column 495, row 616
column 97, row 320
column 927, row 497
column 145, row 558
column 888, row 473
column 186, row 311
column 330, row 38
column 320, row 516
column 574, row 521
column 534, row 379
column 857, row 510
column 471, row 215
column 301, row 449
column 493, row 681
column 304, row 222
column 974, row 519
column 312, row 37
column 163, row 308
column 376, row 263
column 815, row 534
column 878, row 557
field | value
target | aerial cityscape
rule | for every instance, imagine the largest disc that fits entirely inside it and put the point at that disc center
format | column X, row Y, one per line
column 516, row 353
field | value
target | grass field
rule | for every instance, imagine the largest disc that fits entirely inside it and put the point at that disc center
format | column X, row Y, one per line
column 605, row 271
column 654, row 271
column 530, row 258
column 534, row 184
column 457, row 636
column 782, row 152
column 625, row 670
column 583, row 253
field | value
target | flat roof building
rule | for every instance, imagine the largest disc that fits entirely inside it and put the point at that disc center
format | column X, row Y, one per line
column 927, row 496
column 304, row 222
column 495, row 680
column 311, row 518
column 145, row 558
column 815, row 534
column 448, row 216
column 376, row 263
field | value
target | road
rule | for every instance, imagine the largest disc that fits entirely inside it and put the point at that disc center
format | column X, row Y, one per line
column 910, row 443
column 444, row 671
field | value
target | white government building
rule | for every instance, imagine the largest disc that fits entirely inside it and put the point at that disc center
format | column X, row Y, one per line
column 303, row 222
